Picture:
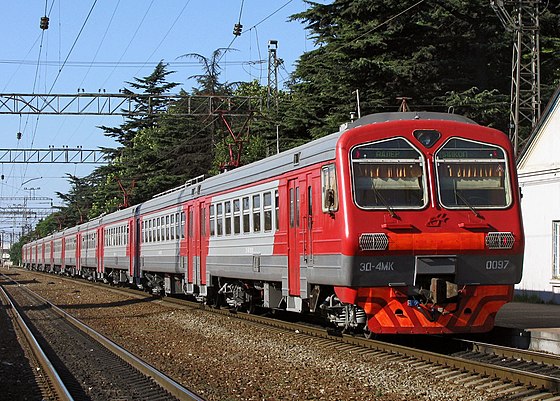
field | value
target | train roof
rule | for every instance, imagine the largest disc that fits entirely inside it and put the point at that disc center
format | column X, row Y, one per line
column 408, row 115
column 316, row 151
column 305, row 155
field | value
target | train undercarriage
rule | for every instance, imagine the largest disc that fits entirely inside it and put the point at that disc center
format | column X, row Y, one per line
column 435, row 305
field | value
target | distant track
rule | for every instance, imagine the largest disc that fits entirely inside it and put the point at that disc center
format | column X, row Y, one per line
column 524, row 380
column 90, row 365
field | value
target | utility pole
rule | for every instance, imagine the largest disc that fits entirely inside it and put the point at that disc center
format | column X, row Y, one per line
column 521, row 17
column 272, row 85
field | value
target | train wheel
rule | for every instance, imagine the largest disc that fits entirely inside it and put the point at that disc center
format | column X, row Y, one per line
column 368, row 333
column 251, row 307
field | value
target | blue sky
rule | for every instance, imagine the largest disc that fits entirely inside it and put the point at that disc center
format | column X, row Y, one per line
column 120, row 40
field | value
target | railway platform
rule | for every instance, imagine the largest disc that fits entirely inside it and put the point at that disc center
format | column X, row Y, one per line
column 529, row 326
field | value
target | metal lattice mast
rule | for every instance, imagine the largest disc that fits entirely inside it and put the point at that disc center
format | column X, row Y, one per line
column 523, row 22
column 272, row 82
column 272, row 92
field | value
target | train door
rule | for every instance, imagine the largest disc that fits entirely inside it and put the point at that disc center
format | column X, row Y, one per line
column 135, row 238
column 202, row 245
column 63, row 253
column 100, row 250
column 193, row 244
column 78, row 252
column 52, row 254
column 132, row 245
column 307, row 221
column 293, row 237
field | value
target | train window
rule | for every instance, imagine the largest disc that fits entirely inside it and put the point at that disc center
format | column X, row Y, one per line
column 227, row 206
column 292, row 207
column 329, row 193
column 203, row 221
column 256, row 213
column 127, row 231
column 167, row 228
column 472, row 174
column 212, row 227
column 276, row 210
column 297, row 207
column 267, row 204
column 177, row 226
column 158, row 229
column 246, row 214
column 309, row 201
column 191, row 223
column 236, row 216
column 172, row 226
column 388, row 174
column 182, row 228
column 556, row 250
column 219, row 219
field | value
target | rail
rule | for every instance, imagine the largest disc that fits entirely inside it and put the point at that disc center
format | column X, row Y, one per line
column 54, row 379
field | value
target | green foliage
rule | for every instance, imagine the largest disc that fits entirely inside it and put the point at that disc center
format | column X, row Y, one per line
column 435, row 53
column 443, row 54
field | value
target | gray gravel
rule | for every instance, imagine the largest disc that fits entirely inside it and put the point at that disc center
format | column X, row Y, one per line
column 225, row 359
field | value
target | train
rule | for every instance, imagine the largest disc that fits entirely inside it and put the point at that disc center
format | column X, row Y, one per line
column 399, row 223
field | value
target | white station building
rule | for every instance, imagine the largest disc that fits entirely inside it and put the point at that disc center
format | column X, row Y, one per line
column 538, row 168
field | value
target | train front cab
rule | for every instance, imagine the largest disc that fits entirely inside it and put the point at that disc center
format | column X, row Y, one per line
column 434, row 236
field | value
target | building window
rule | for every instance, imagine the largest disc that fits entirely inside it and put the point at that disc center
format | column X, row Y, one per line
column 556, row 249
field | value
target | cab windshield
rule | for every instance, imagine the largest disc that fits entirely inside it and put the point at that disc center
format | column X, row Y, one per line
column 472, row 174
column 388, row 174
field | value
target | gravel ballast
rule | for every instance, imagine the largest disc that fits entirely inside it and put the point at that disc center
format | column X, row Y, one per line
column 222, row 358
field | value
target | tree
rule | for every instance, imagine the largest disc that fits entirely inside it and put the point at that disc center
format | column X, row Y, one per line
column 134, row 161
column 434, row 52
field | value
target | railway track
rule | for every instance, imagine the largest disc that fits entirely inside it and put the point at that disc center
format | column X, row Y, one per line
column 48, row 382
column 82, row 363
column 530, row 376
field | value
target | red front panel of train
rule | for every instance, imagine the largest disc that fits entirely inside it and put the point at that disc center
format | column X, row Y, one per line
column 429, row 220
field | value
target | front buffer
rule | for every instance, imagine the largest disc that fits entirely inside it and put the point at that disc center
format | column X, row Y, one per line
column 390, row 310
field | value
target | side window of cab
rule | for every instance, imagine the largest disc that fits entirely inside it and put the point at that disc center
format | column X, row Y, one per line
column 329, row 192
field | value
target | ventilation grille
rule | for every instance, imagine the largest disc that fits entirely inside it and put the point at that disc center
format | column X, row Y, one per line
column 497, row 240
column 374, row 242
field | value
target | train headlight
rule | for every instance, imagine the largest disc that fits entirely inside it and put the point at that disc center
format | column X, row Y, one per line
column 499, row 240
column 374, row 242
column 427, row 137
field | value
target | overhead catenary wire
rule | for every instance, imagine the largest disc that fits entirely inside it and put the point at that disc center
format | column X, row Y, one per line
column 179, row 15
column 131, row 40
column 73, row 45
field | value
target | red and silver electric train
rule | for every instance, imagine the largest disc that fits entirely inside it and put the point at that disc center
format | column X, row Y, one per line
column 398, row 223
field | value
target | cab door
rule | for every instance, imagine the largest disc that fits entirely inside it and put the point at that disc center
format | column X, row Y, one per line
column 294, row 251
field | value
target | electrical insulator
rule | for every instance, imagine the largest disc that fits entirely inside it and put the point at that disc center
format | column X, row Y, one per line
column 237, row 29
column 44, row 23
column 18, row 136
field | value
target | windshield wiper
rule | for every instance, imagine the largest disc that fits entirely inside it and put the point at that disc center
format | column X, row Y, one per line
column 383, row 201
column 466, row 202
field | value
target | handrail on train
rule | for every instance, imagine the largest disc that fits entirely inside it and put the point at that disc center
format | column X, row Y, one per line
column 187, row 184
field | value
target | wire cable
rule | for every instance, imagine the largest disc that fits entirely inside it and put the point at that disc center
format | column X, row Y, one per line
column 73, row 45
column 130, row 41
